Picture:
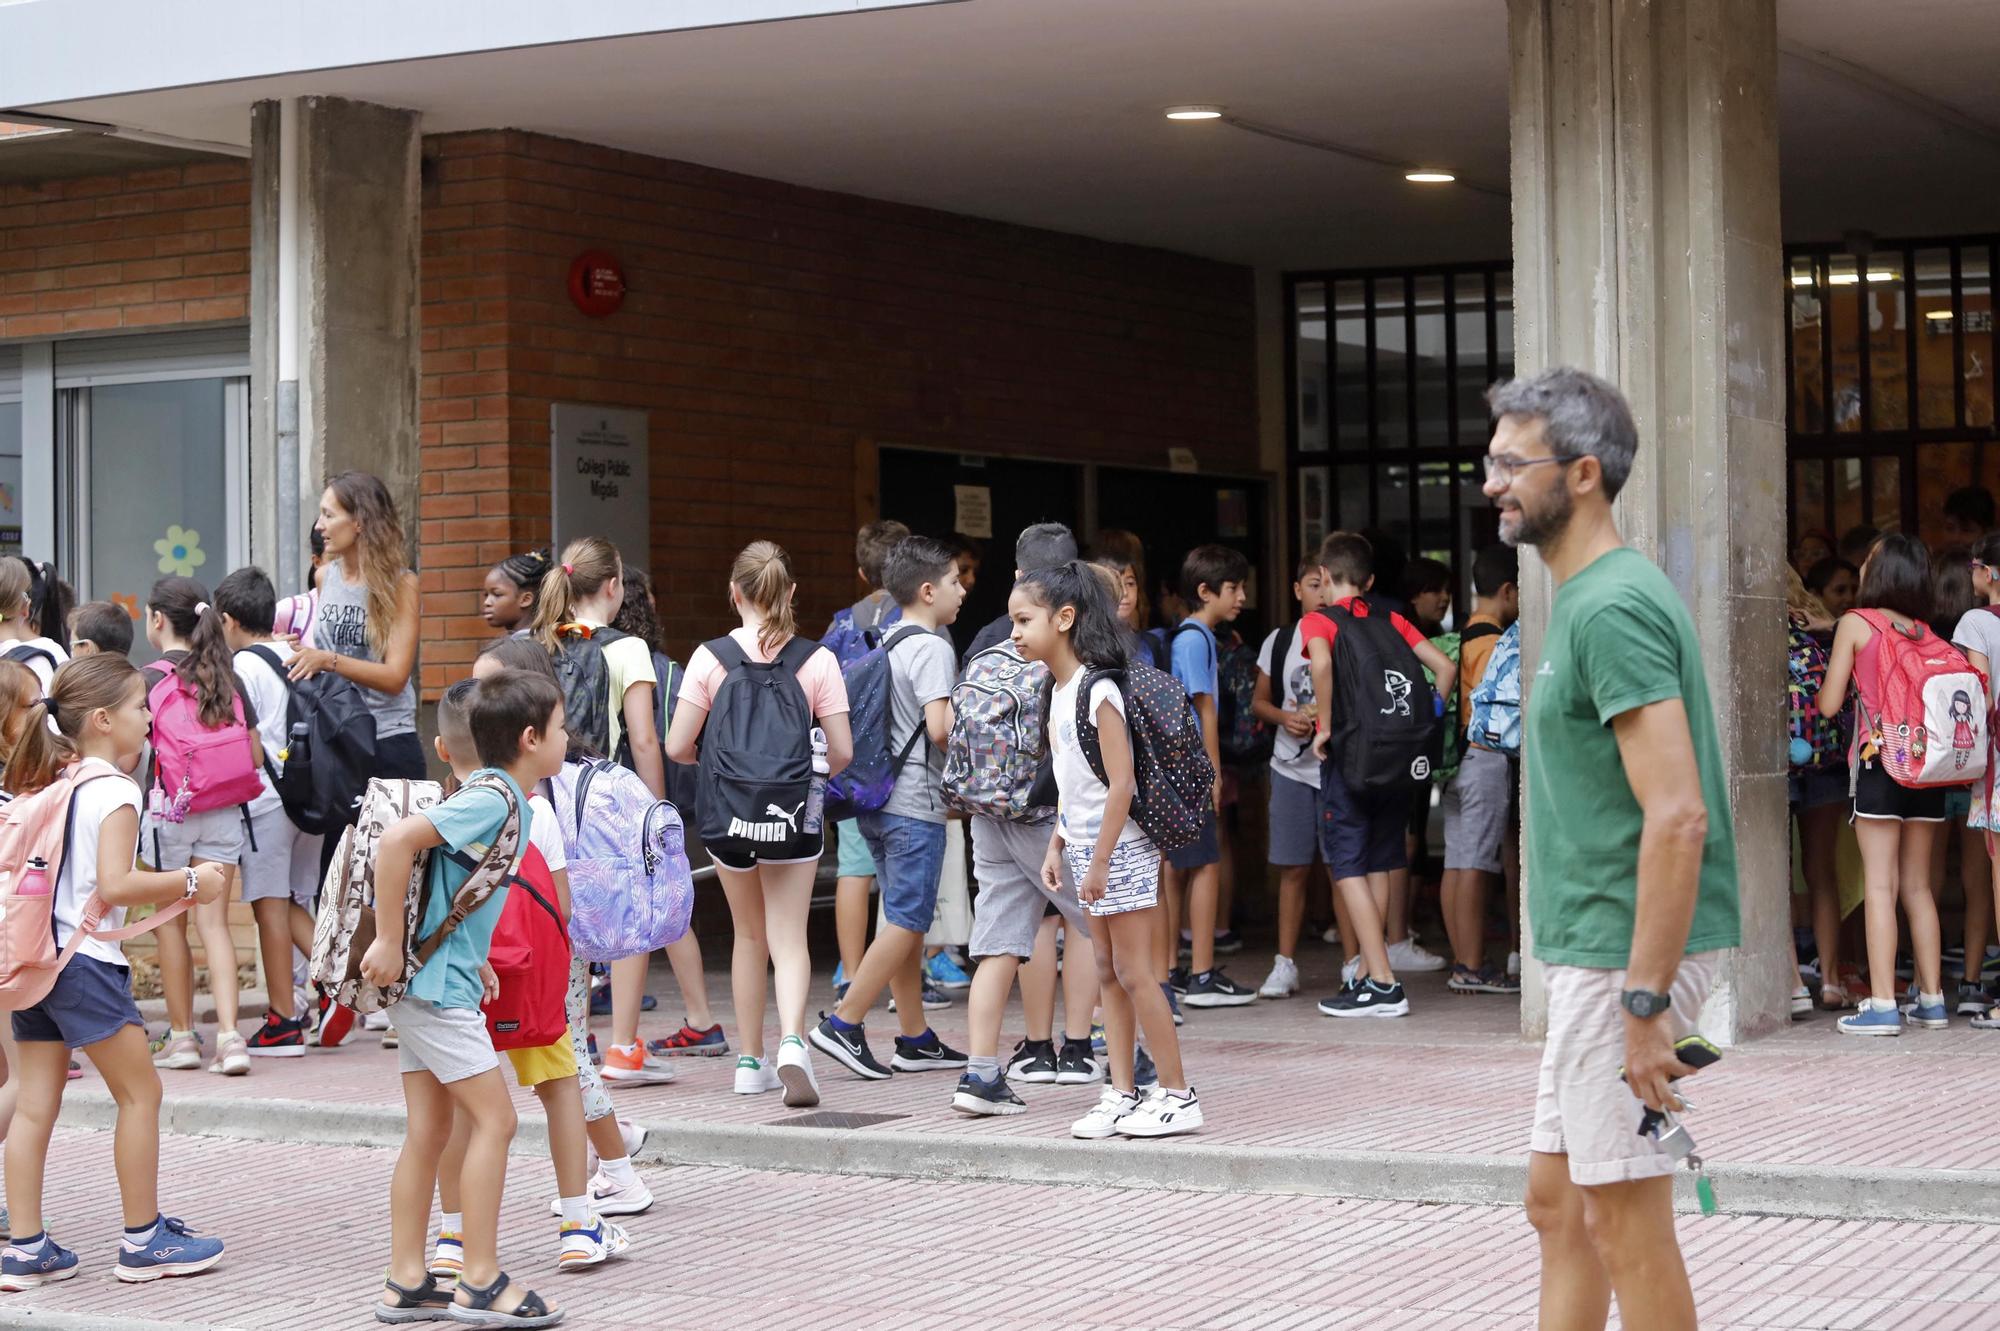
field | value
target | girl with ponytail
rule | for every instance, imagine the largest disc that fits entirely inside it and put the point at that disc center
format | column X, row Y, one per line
column 187, row 632
column 769, row 884
column 31, row 595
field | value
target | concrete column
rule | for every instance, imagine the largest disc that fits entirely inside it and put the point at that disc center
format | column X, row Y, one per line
column 1647, row 249
column 334, row 237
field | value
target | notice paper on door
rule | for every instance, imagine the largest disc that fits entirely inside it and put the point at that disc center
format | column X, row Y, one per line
column 974, row 511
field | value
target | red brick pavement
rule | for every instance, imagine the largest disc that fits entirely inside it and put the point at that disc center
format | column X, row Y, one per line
column 740, row 1250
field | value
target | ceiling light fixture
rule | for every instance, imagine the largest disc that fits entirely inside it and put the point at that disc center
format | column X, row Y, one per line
column 1937, row 314
column 1424, row 175
column 1196, row 112
column 1429, row 176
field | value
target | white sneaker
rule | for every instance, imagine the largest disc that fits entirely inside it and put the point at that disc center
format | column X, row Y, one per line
column 1102, row 1121
column 631, row 1134
column 1409, row 955
column 1350, row 970
column 1282, row 982
column 597, row 1240
column 1332, row 934
column 375, row 1021
column 754, row 1077
column 1162, row 1114
column 611, row 1199
column 795, row 1070
column 1513, row 963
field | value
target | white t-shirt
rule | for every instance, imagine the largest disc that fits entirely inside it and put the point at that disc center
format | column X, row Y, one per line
column 95, row 801
column 1979, row 630
column 1080, row 795
column 545, row 834
column 37, row 662
column 1291, row 689
column 268, row 694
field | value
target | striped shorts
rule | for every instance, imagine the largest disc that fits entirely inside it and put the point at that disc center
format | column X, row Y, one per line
column 1133, row 882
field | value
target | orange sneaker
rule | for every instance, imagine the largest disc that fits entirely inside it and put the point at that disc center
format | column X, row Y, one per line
column 631, row 1066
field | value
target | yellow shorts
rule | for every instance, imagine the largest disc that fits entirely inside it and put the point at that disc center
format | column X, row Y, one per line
column 551, row 1062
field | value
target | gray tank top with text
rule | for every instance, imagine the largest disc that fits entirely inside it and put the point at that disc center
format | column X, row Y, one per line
column 342, row 628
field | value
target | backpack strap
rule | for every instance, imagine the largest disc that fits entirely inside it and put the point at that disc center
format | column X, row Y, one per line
column 730, row 653
column 793, row 655
column 1281, row 651
column 494, row 869
column 25, row 653
column 1478, row 631
column 1086, row 725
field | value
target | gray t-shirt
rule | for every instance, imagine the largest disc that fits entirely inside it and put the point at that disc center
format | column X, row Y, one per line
column 1979, row 630
column 342, row 628
column 921, row 672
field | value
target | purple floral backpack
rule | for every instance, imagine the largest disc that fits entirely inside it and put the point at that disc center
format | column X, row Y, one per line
column 629, row 887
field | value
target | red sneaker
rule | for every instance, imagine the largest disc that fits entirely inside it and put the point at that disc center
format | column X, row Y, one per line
column 335, row 1021
column 710, row 1043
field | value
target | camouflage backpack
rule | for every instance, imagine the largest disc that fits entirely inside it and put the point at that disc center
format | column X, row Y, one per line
column 995, row 763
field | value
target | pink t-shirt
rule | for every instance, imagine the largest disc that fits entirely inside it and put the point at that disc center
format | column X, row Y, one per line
column 826, row 691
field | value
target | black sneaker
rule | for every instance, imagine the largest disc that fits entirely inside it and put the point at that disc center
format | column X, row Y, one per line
column 1177, row 979
column 847, row 1048
column 1075, row 1066
column 1173, row 1003
column 1214, row 989
column 1033, row 1061
column 1369, row 999
column 974, row 1096
column 934, row 998
column 277, row 1038
column 1227, row 943
column 1144, row 1075
column 928, row 1054
column 1972, row 1001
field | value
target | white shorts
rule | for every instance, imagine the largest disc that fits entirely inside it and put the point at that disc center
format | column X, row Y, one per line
column 1133, row 882
column 279, row 860
column 1582, row 1109
column 215, row 835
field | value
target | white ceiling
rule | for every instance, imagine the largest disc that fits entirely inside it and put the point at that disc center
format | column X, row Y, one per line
column 1047, row 112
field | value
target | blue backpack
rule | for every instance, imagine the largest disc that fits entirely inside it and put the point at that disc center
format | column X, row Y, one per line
column 865, row 784
column 1495, row 722
column 858, row 629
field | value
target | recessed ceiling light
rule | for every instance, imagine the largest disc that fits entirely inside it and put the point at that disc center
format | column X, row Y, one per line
column 1937, row 314
column 1194, row 113
column 1429, row 176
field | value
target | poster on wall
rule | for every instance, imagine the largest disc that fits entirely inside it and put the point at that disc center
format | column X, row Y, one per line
column 972, row 507
column 600, row 484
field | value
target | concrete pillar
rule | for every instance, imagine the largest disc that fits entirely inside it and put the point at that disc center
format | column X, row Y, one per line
column 1647, row 249
column 335, row 233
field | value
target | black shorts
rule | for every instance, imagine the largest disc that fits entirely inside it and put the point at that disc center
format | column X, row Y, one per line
column 744, row 856
column 1877, row 796
column 1362, row 834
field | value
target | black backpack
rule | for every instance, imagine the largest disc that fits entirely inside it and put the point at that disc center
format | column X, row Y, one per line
column 683, row 779
column 585, row 678
column 1173, row 781
column 756, row 748
column 25, row 652
column 329, row 749
column 1385, row 732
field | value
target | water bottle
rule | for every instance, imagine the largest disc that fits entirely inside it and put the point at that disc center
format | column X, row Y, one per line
column 816, row 793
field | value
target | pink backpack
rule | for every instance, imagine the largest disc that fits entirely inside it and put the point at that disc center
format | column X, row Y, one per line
column 1932, row 730
column 196, row 768
column 34, row 830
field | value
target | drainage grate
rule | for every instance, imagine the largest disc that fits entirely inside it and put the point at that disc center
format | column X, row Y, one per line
column 827, row 1118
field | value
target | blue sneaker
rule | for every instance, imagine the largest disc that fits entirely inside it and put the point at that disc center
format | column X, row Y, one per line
column 839, row 976
column 600, row 1002
column 19, row 1270
column 1173, row 1002
column 945, row 972
column 174, row 1250
column 1097, row 1045
column 1931, row 1016
column 1874, row 1017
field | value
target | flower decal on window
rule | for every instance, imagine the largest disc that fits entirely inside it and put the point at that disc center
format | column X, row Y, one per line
column 180, row 551
column 127, row 602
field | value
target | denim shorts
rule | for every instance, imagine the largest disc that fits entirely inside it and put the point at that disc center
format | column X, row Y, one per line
column 1362, row 834
column 909, row 861
column 1203, row 851
column 91, row 1001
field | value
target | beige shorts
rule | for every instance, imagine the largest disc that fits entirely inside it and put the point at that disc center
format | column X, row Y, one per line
column 1582, row 1109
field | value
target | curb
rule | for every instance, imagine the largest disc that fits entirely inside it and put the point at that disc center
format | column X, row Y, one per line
column 1840, row 1193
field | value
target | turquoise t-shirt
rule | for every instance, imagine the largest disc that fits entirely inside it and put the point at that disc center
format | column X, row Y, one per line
column 468, row 822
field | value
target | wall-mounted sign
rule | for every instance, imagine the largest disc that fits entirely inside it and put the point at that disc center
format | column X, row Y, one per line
column 599, row 477
column 1182, row 459
column 973, row 511
column 596, row 283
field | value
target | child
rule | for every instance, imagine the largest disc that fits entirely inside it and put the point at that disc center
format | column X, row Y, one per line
column 1212, row 578
column 280, row 863
column 1285, row 701
column 853, row 631
column 580, row 597
column 507, row 599
column 1361, row 835
column 769, row 884
column 1427, row 588
column 584, row 1237
column 906, row 835
column 19, row 692
column 1953, row 598
column 1063, row 619
column 1978, row 633
column 99, row 706
column 447, row 1060
column 100, row 626
column 1894, row 825
column 1817, row 795
column 31, row 595
column 187, row 632
column 1477, row 799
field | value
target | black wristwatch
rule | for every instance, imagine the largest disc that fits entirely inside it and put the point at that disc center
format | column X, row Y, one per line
column 1644, row 1003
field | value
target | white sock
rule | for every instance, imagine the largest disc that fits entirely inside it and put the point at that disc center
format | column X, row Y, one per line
column 575, row 1210
column 1931, row 1000
column 33, row 1249
column 632, row 1048
column 452, row 1222
column 619, row 1171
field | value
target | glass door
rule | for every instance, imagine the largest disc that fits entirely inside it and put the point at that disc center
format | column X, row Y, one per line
column 10, row 477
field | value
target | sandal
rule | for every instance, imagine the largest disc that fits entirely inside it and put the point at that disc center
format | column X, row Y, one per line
column 424, row 1303
column 1833, row 998
column 1988, row 1020
column 479, row 1311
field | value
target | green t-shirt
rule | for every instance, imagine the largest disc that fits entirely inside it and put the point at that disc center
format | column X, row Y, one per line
column 1619, row 638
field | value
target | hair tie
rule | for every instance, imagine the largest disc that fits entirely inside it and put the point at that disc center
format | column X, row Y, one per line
column 569, row 570
column 201, row 607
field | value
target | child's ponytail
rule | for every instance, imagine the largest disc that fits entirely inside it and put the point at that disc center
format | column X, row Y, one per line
column 587, row 564
column 208, row 668
column 1097, row 637
column 762, row 575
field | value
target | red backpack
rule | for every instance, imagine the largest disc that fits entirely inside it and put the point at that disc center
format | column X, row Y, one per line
column 196, row 768
column 1932, row 730
column 530, row 954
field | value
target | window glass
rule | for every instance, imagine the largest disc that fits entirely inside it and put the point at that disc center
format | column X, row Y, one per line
column 1350, row 364
column 10, row 478
column 1976, row 285
column 1310, row 365
column 1888, row 328
column 1843, row 323
column 1351, row 497
column 1433, row 375
column 1392, row 366
column 1936, row 406
column 1503, row 336
column 1941, row 468
column 1808, row 308
column 1315, row 506
column 1468, row 296
column 1887, row 499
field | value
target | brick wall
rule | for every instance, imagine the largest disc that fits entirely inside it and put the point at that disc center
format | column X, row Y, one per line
column 769, row 330
column 169, row 245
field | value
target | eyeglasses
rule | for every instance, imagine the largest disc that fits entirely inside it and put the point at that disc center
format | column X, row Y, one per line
column 1503, row 467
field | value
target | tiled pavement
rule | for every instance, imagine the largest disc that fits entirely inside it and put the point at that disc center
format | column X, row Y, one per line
column 741, row 1250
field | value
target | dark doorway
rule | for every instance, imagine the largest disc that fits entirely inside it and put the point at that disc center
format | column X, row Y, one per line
column 1172, row 513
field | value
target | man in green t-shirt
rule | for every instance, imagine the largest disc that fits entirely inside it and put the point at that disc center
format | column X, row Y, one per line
column 1630, row 857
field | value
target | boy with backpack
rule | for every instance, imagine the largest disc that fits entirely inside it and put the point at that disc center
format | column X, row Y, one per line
column 280, row 863
column 1284, row 701
column 1378, row 723
column 1212, row 580
column 1477, row 799
column 906, row 834
column 446, row 1055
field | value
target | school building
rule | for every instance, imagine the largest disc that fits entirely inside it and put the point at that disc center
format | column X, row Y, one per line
column 697, row 273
